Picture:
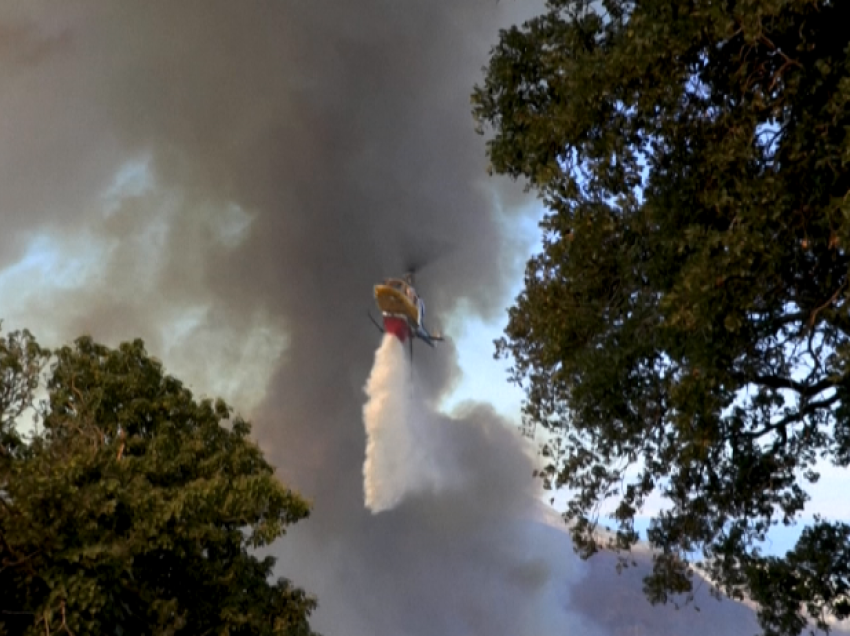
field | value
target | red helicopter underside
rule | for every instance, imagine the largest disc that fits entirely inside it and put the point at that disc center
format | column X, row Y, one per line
column 397, row 327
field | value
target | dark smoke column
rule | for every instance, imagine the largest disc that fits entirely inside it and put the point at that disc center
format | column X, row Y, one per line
column 343, row 130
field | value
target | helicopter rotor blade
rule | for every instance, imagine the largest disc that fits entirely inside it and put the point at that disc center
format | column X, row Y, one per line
column 420, row 252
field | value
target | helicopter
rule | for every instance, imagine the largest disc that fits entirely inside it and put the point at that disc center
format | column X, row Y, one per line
column 403, row 311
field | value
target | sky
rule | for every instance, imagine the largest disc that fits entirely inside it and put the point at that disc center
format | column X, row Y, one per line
column 227, row 181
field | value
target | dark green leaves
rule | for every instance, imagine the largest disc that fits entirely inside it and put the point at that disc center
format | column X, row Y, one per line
column 688, row 316
column 133, row 507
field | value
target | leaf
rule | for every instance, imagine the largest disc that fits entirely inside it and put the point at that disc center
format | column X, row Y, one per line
column 159, row 540
column 687, row 312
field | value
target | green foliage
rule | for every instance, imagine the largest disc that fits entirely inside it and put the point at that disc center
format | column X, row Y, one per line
column 688, row 317
column 132, row 508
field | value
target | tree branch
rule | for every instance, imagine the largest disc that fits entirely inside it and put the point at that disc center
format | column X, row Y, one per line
column 832, row 298
column 20, row 561
column 779, row 382
column 793, row 417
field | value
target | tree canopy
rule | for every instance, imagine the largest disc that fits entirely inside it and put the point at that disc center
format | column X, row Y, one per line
column 686, row 326
column 132, row 507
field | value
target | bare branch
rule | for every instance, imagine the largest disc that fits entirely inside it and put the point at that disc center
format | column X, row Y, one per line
column 780, row 382
column 826, row 304
column 781, row 425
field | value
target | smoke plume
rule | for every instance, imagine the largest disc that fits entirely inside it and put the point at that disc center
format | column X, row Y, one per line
column 228, row 180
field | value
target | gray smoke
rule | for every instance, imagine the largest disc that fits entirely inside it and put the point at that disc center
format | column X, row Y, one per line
column 274, row 159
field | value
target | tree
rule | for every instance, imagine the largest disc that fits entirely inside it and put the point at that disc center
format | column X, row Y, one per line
column 686, row 327
column 132, row 507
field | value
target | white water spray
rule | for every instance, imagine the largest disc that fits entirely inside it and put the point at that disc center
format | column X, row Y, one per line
column 403, row 454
